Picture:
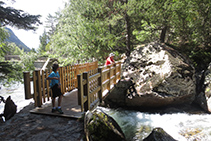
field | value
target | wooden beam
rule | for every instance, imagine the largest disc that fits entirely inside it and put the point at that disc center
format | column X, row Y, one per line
column 86, row 91
column 27, row 85
column 80, row 92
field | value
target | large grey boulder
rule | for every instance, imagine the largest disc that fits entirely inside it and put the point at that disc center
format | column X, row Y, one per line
column 162, row 76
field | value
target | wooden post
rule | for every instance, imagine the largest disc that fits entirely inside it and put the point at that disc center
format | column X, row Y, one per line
column 35, row 88
column 87, row 67
column 80, row 91
column 65, row 79
column 71, row 78
column 68, row 78
column 119, row 69
column 100, row 83
column 43, row 85
column 75, row 75
column 47, row 85
column 96, row 65
column 86, row 91
column 115, row 73
column 27, row 86
column 61, row 78
column 76, row 69
column 39, row 96
column 109, row 77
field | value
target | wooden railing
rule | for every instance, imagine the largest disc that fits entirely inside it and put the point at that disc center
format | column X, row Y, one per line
column 41, row 91
column 92, row 89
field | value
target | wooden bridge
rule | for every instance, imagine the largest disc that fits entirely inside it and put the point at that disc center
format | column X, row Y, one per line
column 83, row 86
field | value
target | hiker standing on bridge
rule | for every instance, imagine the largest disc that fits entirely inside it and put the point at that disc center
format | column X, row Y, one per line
column 56, row 88
column 110, row 59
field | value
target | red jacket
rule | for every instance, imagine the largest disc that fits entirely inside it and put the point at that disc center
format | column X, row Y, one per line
column 109, row 61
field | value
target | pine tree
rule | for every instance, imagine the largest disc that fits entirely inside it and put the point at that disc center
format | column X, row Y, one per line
column 18, row 18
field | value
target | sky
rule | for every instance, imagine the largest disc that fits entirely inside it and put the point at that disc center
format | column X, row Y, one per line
column 35, row 7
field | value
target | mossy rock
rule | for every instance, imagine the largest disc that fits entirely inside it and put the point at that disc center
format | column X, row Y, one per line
column 100, row 126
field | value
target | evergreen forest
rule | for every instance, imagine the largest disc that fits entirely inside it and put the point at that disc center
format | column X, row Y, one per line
column 87, row 30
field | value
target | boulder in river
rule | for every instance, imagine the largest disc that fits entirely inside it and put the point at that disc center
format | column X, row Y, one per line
column 158, row 134
column 161, row 76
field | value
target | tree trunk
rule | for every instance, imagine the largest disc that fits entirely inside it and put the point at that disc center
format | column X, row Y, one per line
column 128, row 42
column 163, row 34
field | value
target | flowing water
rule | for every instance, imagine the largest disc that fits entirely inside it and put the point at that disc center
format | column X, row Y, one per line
column 16, row 91
column 138, row 125
column 181, row 126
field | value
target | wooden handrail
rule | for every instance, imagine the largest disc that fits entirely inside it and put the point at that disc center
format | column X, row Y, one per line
column 104, row 80
column 68, row 78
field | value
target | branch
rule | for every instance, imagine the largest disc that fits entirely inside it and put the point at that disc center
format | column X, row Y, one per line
column 13, row 17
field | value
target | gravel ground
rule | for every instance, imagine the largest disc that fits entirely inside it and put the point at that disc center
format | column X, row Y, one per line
column 24, row 126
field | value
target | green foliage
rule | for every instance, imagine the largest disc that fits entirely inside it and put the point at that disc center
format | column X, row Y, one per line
column 3, row 49
column 201, row 58
column 27, row 60
column 17, row 18
column 10, row 72
column 146, row 34
column 44, row 39
column 13, row 49
column 91, row 29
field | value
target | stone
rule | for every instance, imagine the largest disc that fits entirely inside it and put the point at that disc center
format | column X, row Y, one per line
column 100, row 126
column 204, row 97
column 9, row 108
column 162, row 77
column 158, row 134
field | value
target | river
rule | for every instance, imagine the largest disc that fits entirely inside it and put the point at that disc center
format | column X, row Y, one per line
column 181, row 126
column 16, row 91
column 138, row 125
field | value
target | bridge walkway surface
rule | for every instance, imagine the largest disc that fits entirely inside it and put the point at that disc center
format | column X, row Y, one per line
column 69, row 106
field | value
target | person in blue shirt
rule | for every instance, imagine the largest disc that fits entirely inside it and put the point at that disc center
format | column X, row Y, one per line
column 56, row 88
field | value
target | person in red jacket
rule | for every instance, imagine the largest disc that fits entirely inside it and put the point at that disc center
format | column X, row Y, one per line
column 110, row 59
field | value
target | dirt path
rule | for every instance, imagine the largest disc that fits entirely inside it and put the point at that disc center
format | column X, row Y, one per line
column 25, row 126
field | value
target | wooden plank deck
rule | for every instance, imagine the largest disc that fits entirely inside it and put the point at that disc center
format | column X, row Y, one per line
column 69, row 106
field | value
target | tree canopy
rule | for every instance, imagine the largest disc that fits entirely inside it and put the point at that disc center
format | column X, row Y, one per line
column 93, row 28
column 88, row 30
column 10, row 71
column 18, row 18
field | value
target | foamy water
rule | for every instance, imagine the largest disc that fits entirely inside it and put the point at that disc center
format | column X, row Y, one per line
column 181, row 126
column 17, row 94
column 138, row 125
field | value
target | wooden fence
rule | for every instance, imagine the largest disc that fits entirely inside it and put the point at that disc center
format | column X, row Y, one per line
column 41, row 91
column 92, row 89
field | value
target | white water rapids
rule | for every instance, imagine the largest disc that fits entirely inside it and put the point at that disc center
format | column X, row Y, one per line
column 138, row 125
column 181, row 126
column 16, row 91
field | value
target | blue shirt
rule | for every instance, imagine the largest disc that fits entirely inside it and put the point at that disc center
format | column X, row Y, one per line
column 54, row 81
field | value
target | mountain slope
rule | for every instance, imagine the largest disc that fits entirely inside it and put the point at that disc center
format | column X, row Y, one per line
column 14, row 39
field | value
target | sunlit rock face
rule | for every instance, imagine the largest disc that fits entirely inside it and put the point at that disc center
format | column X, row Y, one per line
column 162, row 76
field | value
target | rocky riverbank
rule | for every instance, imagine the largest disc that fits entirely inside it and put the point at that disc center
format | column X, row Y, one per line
column 33, row 127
